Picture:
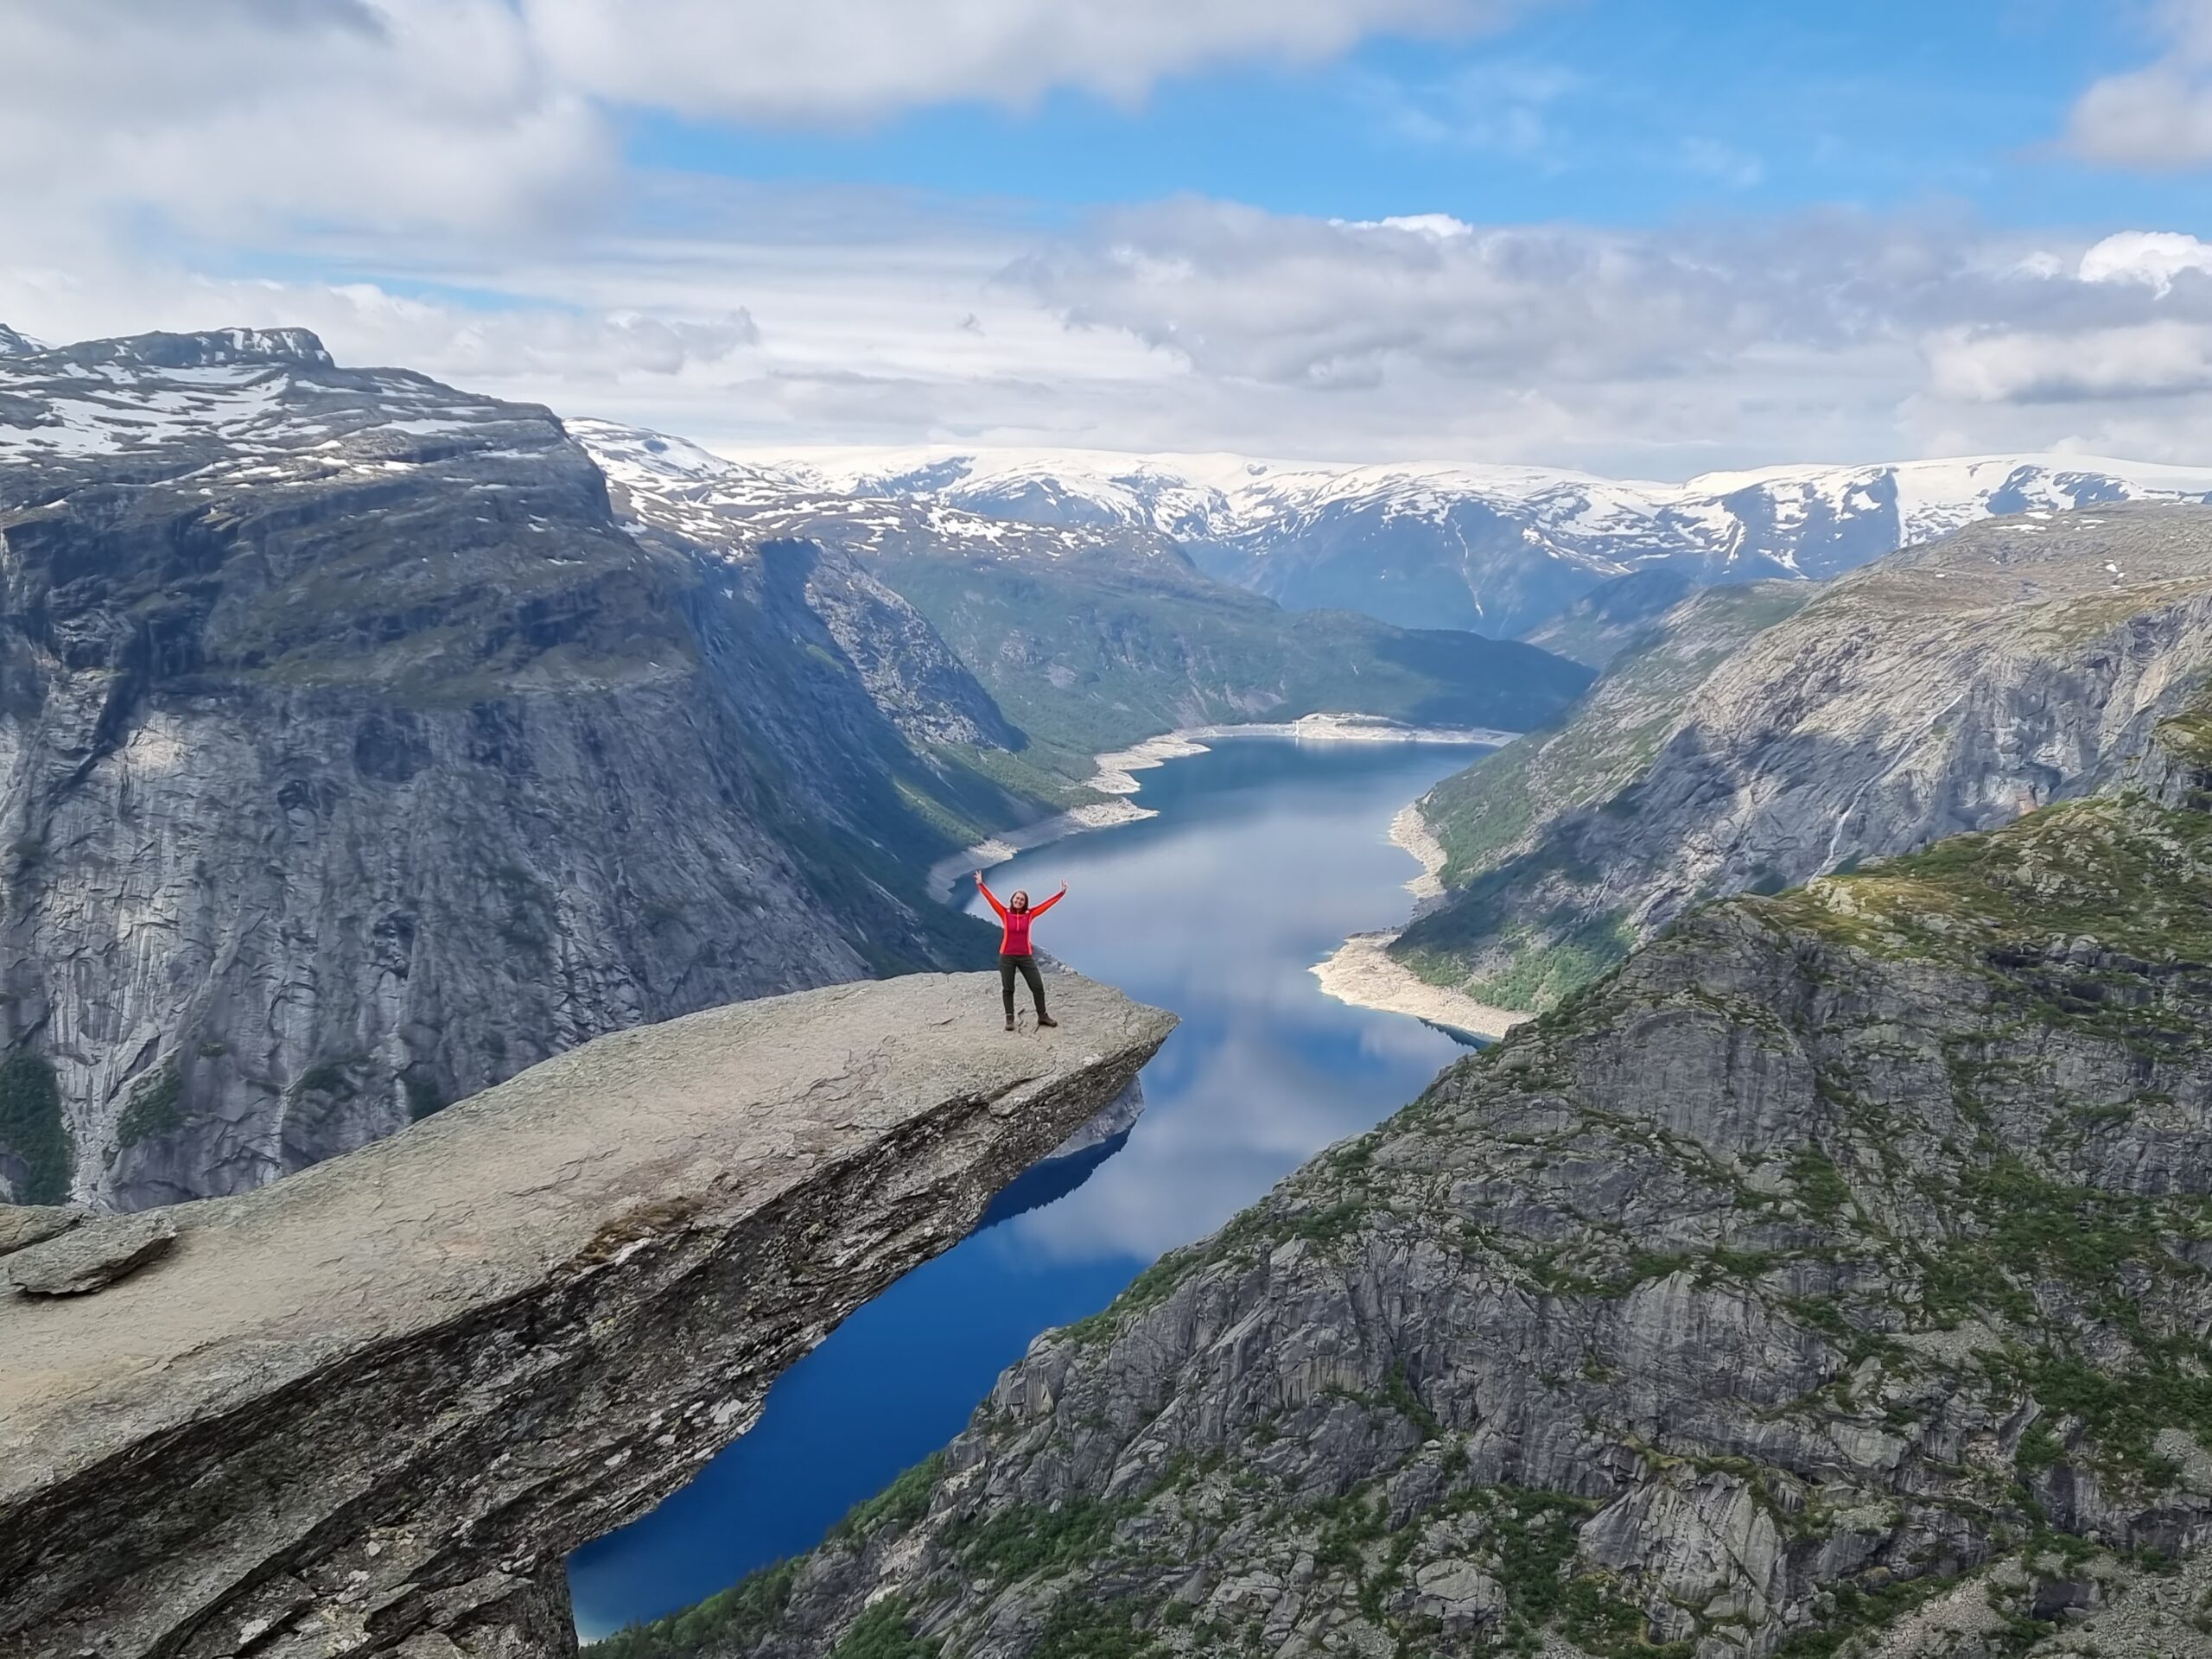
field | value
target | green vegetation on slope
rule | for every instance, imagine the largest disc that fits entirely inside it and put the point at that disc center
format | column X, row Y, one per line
column 2131, row 875
column 1903, row 1148
column 1091, row 657
column 731, row 1619
column 1494, row 809
column 31, row 1130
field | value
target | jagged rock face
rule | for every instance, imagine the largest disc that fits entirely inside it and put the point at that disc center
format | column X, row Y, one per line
column 910, row 672
column 372, row 1407
column 353, row 756
column 1757, row 744
column 1841, row 1245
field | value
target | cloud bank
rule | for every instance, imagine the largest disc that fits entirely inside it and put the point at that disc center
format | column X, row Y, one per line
column 444, row 183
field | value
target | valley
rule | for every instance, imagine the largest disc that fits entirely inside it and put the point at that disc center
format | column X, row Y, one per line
column 1831, row 1275
column 1811, row 1266
column 1185, row 909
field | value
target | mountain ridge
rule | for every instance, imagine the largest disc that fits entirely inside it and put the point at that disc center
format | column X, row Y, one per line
column 1093, row 638
column 1767, row 733
column 1499, row 549
column 353, row 754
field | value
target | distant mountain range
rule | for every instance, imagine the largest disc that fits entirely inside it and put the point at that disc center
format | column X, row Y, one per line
column 1088, row 635
column 1499, row 550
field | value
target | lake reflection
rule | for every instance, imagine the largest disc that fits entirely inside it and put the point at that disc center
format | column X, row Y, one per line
column 1266, row 855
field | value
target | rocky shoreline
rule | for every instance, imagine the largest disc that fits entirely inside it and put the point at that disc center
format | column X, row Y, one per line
column 1363, row 973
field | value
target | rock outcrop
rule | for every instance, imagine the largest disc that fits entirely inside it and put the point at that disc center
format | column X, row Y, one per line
column 372, row 1407
column 1760, row 741
column 355, row 755
column 1831, row 1280
column 77, row 1260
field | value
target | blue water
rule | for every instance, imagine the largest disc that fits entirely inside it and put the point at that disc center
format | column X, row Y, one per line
column 1266, row 853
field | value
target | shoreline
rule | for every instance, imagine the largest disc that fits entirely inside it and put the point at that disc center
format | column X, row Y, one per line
column 1359, row 972
column 1409, row 830
column 1362, row 973
column 1114, row 775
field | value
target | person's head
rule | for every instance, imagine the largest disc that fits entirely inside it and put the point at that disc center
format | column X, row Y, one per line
column 1019, row 901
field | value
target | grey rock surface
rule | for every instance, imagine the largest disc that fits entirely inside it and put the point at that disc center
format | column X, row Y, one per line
column 372, row 1407
column 77, row 1260
column 1843, row 1250
column 27, row 1223
column 355, row 755
column 1760, row 741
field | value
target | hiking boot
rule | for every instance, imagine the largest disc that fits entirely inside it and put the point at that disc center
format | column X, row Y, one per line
column 1046, row 1020
column 1009, row 1022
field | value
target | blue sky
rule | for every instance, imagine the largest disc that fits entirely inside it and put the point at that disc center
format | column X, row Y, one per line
column 1642, row 236
column 1631, row 112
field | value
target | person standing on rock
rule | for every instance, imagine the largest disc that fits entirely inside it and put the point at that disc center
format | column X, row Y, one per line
column 1014, row 954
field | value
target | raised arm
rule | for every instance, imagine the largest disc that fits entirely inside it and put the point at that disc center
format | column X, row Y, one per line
column 989, row 898
column 1039, row 910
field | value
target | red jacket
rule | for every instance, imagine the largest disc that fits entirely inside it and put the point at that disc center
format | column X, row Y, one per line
column 1014, row 942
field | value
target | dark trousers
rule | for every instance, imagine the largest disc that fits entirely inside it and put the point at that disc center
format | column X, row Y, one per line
column 1026, row 967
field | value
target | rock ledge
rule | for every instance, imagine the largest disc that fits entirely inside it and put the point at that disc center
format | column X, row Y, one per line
column 377, row 1404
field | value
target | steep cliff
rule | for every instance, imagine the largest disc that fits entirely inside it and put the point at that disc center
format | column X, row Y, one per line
column 354, row 755
column 1832, row 1279
column 1756, row 743
column 370, row 1409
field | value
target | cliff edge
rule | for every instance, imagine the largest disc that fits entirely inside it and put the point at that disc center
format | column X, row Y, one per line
column 372, row 1407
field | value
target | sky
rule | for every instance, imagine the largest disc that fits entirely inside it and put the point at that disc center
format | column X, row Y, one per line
column 1642, row 237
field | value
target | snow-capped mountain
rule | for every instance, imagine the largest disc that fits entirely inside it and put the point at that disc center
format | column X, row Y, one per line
column 1498, row 548
column 342, row 678
column 676, row 485
column 12, row 342
column 238, row 408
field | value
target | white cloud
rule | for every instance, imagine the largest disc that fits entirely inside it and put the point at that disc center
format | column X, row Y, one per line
column 2157, row 118
column 244, row 120
column 859, row 59
column 2153, row 360
column 776, row 317
column 2154, row 258
column 234, row 118
column 450, row 171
